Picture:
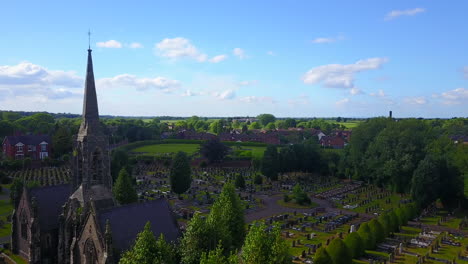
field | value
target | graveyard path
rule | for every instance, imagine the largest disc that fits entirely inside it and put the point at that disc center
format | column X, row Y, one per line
column 271, row 207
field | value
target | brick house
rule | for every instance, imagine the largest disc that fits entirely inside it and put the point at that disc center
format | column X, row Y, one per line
column 27, row 146
column 335, row 142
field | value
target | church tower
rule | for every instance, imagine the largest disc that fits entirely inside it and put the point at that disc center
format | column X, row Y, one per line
column 91, row 163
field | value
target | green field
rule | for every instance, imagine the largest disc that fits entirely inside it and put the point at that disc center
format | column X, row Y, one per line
column 159, row 149
column 167, row 148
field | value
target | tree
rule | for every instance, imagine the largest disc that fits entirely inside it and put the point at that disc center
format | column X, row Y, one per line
column 62, row 141
column 300, row 196
column 214, row 150
column 384, row 220
column 367, row 236
column 270, row 126
column 322, row 257
column 425, row 182
column 255, row 125
column 265, row 119
column 338, row 252
column 180, row 175
column 216, row 256
column 240, row 181
column 119, row 160
column 258, row 179
column 147, row 250
column 270, row 162
column 355, row 244
column 16, row 190
column 197, row 239
column 289, row 122
column 228, row 211
column 377, row 229
column 264, row 247
column 123, row 189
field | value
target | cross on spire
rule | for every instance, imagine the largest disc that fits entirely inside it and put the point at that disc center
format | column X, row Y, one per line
column 89, row 39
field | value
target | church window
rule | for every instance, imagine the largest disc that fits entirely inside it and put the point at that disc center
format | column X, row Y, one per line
column 24, row 226
column 90, row 252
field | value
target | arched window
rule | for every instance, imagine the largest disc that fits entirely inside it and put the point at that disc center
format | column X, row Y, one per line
column 24, row 226
column 96, row 166
column 90, row 252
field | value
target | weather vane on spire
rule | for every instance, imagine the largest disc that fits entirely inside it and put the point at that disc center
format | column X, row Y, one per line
column 89, row 38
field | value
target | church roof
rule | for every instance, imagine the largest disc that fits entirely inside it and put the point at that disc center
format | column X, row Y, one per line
column 50, row 200
column 128, row 220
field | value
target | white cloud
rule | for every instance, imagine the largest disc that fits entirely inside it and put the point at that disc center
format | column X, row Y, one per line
column 456, row 96
column 380, row 93
column 257, row 99
column 240, row 53
column 131, row 81
column 176, row 48
column 339, row 75
column 190, row 93
column 271, row 53
column 342, row 102
column 110, row 44
column 355, row 91
column 407, row 12
column 421, row 100
column 323, row 40
column 465, row 72
column 135, row 45
column 225, row 95
column 218, row 58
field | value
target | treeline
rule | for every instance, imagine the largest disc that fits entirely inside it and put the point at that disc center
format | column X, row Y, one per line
column 409, row 156
column 220, row 237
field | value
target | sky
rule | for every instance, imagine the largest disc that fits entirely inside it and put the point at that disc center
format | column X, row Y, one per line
column 238, row 58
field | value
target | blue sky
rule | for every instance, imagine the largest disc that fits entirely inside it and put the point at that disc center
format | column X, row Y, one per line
column 233, row 58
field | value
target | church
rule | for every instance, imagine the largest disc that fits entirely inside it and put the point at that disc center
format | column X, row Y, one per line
column 81, row 222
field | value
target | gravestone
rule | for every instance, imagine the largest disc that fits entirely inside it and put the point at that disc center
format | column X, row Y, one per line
column 353, row 229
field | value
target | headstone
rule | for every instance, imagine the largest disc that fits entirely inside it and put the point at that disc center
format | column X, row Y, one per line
column 353, row 229
column 400, row 249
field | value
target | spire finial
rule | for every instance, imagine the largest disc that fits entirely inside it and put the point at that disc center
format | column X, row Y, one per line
column 89, row 39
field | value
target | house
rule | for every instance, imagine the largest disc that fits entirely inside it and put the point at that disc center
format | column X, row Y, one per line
column 335, row 142
column 27, row 146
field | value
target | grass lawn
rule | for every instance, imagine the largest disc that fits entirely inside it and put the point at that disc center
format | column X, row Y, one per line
column 5, row 207
column 167, row 148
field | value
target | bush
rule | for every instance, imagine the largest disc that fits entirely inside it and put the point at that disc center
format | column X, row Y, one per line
column 258, row 179
column 286, row 198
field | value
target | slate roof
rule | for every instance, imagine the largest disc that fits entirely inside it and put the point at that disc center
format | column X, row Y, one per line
column 27, row 139
column 50, row 200
column 128, row 220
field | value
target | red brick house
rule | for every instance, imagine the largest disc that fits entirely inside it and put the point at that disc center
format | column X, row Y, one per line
column 335, row 142
column 27, row 146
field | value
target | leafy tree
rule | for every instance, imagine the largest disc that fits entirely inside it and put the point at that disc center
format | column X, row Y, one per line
column 338, row 252
column 240, row 181
column 265, row 119
column 300, row 196
column 355, row 244
column 255, row 125
column 270, row 162
column 214, row 150
column 377, row 229
column 289, row 122
column 6, row 129
column 62, row 141
column 180, row 175
column 123, row 189
column 394, row 222
column 322, row 257
column 384, row 220
column 119, row 160
column 147, row 250
column 367, row 236
column 16, row 190
column 216, row 256
column 270, row 126
column 228, row 211
column 424, row 185
column 197, row 239
column 264, row 247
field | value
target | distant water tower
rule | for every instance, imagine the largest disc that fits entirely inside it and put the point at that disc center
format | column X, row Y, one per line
column 390, row 114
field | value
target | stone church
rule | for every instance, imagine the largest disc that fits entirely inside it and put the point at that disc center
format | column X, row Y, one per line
column 81, row 222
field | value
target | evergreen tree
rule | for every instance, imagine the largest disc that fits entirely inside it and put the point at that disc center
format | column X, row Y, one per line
column 367, row 236
column 197, row 239
column 216, row 256
column 338, row 252
column 214, row 150
column 180, row 174
column 240, row 181
column 377, row 229
column 355, row 244
column 300, row 196
column 322, row 257
column 123, row 189
column 270, row 162
column 144, row 251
